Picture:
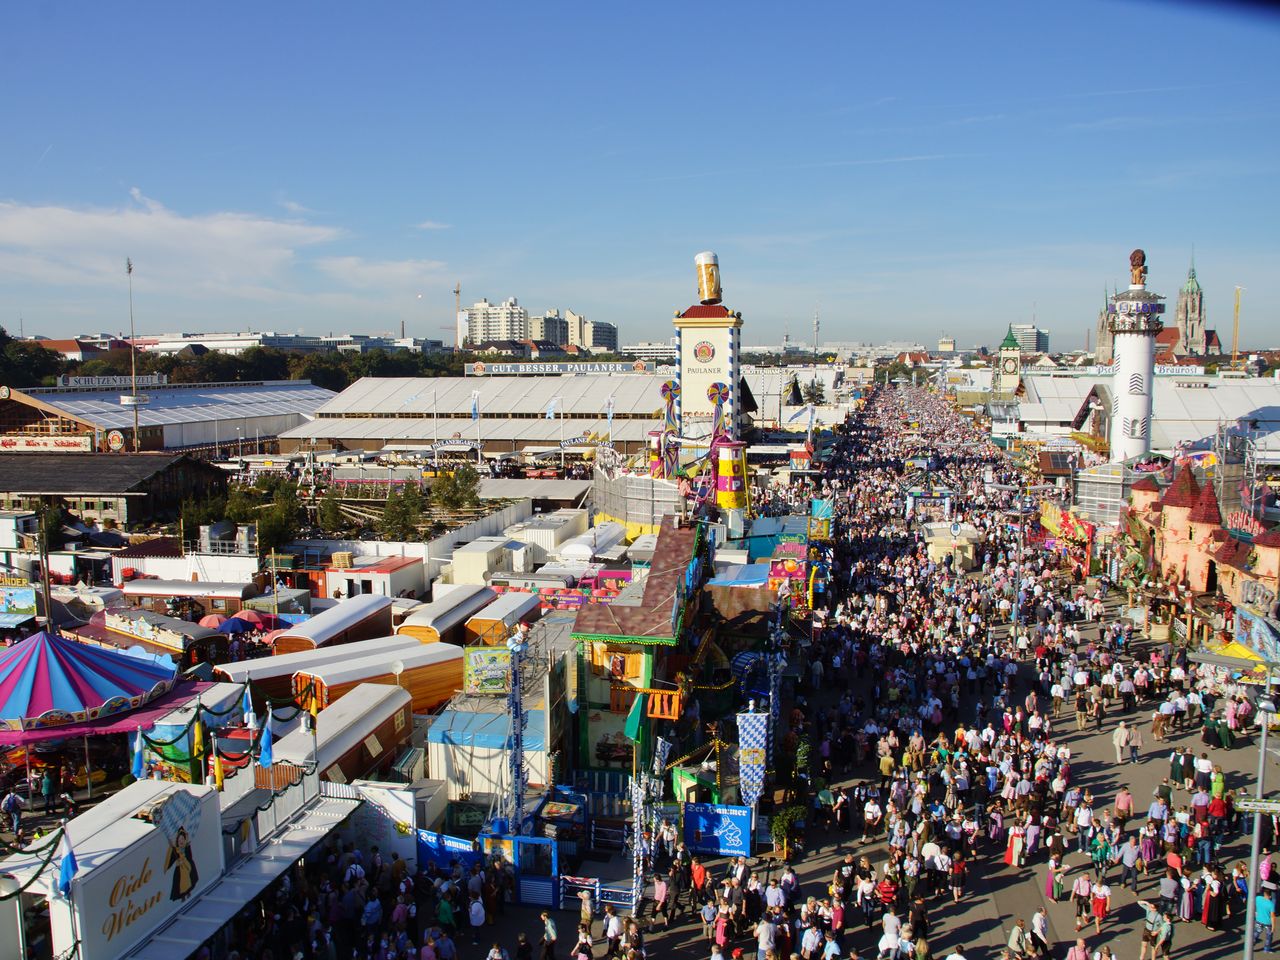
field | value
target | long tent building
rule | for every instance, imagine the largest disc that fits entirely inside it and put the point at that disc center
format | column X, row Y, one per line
column 96, row 414
column 511, row 415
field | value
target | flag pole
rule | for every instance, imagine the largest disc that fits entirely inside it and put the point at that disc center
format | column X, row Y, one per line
column 88, row 772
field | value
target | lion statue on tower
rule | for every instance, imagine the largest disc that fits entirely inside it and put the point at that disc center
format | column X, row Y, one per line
column 1138, row 267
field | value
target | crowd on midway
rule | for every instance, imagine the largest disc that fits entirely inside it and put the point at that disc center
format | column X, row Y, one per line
column 938, row 697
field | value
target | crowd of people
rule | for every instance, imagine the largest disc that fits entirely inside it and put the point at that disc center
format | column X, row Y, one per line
column 936, row 694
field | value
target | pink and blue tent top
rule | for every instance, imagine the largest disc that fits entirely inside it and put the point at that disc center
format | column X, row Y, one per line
column 48, row 680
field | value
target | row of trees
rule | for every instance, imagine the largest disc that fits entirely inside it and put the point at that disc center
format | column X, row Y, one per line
column 24, row 364
column 406, row 509
column 272, row 503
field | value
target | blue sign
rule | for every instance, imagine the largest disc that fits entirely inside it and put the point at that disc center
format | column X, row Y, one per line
column 717, row 830
column 443, row 849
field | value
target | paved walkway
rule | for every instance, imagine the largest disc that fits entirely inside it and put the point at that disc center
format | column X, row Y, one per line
column 997, row 895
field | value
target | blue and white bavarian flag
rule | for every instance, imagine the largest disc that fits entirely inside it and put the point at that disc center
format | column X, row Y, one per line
column 753, row 740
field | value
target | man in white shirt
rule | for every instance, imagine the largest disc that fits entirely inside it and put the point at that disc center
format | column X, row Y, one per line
column 766, row 937
column 1040, row 932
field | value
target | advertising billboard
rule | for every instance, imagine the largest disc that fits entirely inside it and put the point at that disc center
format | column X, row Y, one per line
column 486, row 670
column 717, row 830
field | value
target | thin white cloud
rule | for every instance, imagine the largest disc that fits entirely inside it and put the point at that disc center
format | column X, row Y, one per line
column 292, row 206
column 362, row 274
column 433, row 225
column 231, row 254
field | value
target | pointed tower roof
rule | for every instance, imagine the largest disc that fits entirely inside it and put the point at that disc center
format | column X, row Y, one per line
column 1146, row 483
column 1192, row 285
column 1206, row 508
column 1010, row 342
column 1184, row 491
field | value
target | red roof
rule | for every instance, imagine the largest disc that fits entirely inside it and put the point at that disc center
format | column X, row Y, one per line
column 1184, row 491
column 381, row 565
column 155, row 547
column 706, row 311
column 1206, row 508
column 1146, row 484
column 1168, row 337
column 1233, row 553
column 1269, row 539
column 650, row 621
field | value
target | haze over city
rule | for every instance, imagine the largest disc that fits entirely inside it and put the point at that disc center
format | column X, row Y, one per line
column 906, row 172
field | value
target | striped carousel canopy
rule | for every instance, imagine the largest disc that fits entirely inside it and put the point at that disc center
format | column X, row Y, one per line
column 47, row 680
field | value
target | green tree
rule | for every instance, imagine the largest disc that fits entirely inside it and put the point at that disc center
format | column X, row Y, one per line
column 328, row 370
column 814, row 393
column 242, row 504
column 458, row 489
column 24, row 363
column 400, row 516
column 278, row 522
column 196, row 513
column 330, row 515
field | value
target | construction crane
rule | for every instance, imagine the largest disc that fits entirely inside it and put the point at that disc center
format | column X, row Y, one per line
column 1235, row 332
column 457, row 309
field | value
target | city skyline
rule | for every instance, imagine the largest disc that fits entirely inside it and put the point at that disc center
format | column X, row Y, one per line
column 320, row 173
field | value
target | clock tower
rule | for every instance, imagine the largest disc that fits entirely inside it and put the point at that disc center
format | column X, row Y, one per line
column 1008, row 372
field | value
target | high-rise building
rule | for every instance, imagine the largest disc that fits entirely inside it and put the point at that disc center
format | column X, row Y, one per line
column 648, row 350
column 496, row 321
column 550, row 327
column 946, row 344
column 1031, row 339
column 591, row 334
column 1190, row 319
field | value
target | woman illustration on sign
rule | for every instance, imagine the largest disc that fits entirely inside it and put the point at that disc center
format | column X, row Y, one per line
column 185, row 875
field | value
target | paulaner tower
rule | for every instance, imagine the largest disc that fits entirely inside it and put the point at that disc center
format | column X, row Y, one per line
column 1134, row 323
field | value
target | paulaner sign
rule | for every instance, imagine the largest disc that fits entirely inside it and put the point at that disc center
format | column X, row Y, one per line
column 483, row 369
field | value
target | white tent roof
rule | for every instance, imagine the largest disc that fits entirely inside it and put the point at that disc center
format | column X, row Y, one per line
column 634, row 394
column 513, row 430
column 1183, row 411
column 200, row 403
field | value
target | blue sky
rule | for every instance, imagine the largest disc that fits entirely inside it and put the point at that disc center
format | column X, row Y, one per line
column 908, row 169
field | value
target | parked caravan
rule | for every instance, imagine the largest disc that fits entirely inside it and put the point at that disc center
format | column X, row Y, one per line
column 189, row 596
column 595, row 541
column 186, row 642
column 273, row 676
column 494, row 623
column 445, row 618
column 530, row 582
column 359, row 736
column 432, row 673
column 359, row 618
